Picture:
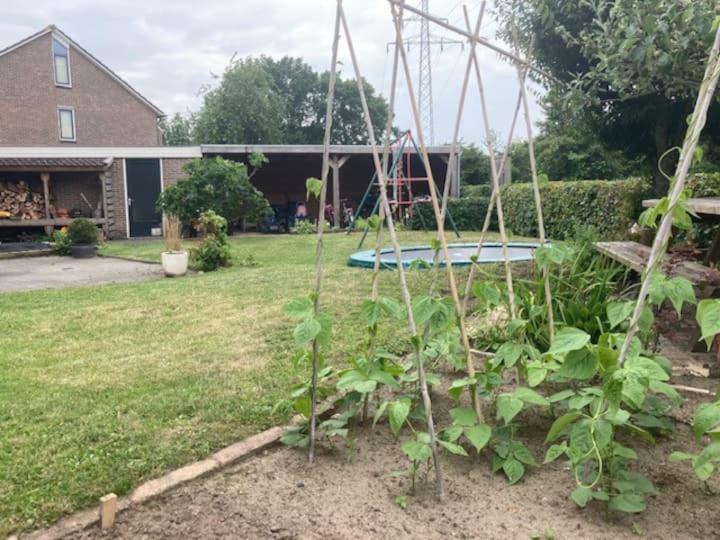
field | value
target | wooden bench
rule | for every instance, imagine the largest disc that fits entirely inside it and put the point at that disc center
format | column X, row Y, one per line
column 636, row 256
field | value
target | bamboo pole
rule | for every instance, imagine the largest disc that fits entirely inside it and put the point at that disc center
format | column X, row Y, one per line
column 699, row 117
column 436, row 209
column 321, row 224
column 473, row 38
column 535, row 184
column 398, row 256
column 495, row 180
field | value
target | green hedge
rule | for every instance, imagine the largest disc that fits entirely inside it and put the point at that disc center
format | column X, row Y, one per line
column 608, row 206
column 704, row 185
column 467, row 212
column 477, row 190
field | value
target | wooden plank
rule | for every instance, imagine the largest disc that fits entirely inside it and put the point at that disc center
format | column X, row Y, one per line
column 108, row 509
column 60, row 222
column 709, row 206
column 636, row 257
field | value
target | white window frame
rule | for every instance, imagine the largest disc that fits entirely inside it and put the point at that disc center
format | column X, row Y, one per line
column 60, row 109
column 52, row 51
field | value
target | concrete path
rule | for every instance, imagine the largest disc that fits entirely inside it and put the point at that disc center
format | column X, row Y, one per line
column 32, row 273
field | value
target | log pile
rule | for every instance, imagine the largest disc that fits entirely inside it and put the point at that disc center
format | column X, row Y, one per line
column 20, row 201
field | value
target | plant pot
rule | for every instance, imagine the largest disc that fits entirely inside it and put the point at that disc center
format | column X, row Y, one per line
column 174, row 263
column 83, row 251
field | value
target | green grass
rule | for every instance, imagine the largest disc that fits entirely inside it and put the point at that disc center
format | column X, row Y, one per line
column 105, row 386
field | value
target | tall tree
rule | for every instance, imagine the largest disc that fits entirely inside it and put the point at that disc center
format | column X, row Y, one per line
column 627, row 70
column 245, row 107
column 474, row 166
column 178, row 131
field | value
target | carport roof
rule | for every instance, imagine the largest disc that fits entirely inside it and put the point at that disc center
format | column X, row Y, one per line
column 300, row 149
column 53, row 164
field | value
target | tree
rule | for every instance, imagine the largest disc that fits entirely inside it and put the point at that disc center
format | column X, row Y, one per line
column 628, row 71
column 474, row 166
column 282, row 101
column 215, row 184
column 245, row 107
column 178, row 131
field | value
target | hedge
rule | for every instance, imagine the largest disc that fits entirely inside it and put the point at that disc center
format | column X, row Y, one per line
column 467, row 212
column 704, row 185
column 476, row 190
column 610, row 207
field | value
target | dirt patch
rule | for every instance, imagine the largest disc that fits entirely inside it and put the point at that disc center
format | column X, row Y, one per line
column 349, row 494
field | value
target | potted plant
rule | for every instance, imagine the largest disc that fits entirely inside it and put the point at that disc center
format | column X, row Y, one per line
column 83, row 236
column 174, row 258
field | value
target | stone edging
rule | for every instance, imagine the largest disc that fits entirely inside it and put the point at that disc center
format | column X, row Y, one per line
column 153, row 488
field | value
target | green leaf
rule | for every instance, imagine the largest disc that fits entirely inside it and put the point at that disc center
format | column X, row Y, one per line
column 513, row 469
column 581, row 495
column 569, row 339
column 536, row 373
column 530, row 396
column 631, row 503
column 458, row 387
column 423, row 309
column 521, row 452
column 383, row 377
column 452, row 433
column 708, row 317
column 508, row 407
column 561, row 396
column 453, row 448
column 392, row 307
column 508, row 353
column 398, row 411
column 580, row 364
column 618, row 312
column 487, row 292
column 560, row 424
column 380, row 411
column 417, row 451
column 325, row 335
column 313, row 186
column 302, row 406
column 370, row 312
column 681, row 456
column 306, row 331
column 463, row 416
column 707, row 417
column 299, row 308
column 554, row 452
column 478, row 435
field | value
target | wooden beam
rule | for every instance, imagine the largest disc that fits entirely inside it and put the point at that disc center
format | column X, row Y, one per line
column 45, row 177
column 336, row 164
column 108, row 509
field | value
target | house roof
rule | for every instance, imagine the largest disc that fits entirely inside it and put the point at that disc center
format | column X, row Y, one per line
column 52, row 29
column 53, row 164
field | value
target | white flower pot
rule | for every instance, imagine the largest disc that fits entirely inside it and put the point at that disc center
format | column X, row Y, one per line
column 174, row 263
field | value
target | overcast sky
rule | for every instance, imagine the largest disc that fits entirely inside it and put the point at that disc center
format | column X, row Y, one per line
column 168, row 49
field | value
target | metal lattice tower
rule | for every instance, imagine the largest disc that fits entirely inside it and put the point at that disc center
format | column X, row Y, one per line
column 425, row 94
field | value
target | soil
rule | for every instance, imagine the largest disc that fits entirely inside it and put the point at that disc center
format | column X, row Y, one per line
column 349, row 493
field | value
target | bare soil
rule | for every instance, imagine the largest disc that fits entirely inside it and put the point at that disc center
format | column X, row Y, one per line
column 350, row 494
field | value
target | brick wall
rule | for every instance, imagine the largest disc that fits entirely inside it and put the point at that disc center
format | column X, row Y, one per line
column 117, row 203
column 172, row 171
column 106, row 114
column 66, row 187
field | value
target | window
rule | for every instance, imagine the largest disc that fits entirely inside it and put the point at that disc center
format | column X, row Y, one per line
column 61, row 60
column 66, row 123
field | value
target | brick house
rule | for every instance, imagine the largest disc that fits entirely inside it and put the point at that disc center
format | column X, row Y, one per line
column 77, row 140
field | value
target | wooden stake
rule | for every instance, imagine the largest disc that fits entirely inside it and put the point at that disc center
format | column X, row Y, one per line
column 699, row 117
column 321, row 224
column 108, row 509
column 398, row 256
column 495, row 180
column 536, row 185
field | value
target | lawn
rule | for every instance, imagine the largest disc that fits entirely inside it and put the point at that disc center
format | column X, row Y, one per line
column 105, row 386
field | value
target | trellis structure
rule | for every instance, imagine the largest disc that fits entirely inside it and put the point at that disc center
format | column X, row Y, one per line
column 381, row 158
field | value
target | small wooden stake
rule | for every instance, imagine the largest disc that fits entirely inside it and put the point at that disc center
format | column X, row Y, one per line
column 108, row 509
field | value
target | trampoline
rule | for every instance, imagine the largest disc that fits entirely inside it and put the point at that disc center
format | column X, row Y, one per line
column 460, row 254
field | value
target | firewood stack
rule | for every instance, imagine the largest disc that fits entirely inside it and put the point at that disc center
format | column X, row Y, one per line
column 20, row 201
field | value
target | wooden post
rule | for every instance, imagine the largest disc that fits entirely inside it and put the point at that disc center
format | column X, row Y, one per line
column 335, row 165
column 108, row 509
column 45, row 177
column 103, row 189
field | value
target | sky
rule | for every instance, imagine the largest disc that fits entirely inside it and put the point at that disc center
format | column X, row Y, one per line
column 169, row 49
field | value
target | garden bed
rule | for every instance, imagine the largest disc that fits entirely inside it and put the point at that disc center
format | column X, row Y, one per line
column 350, row 493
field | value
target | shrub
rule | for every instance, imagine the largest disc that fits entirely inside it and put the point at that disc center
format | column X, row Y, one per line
column 467, row 212
column 215, row 184
column 479, row 190
column 610, row 207
column 214, row 251
column 83, row 231
column 304, row 226
column 61, row 242
column 704, row 185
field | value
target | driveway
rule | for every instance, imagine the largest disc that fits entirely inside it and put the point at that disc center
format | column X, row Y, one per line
column 32, row 273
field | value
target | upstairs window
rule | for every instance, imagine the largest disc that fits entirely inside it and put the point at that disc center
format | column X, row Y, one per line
column 61, row 61
column 66, row 124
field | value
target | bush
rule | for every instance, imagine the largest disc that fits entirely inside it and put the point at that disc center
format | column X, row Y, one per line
column 61, row 242
column 704, row 185
column 83, row 231
column 609, row 207
column 467, row 212
column 215, row 184
column 214, row 251
column 304, row 226
column 479, row 190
